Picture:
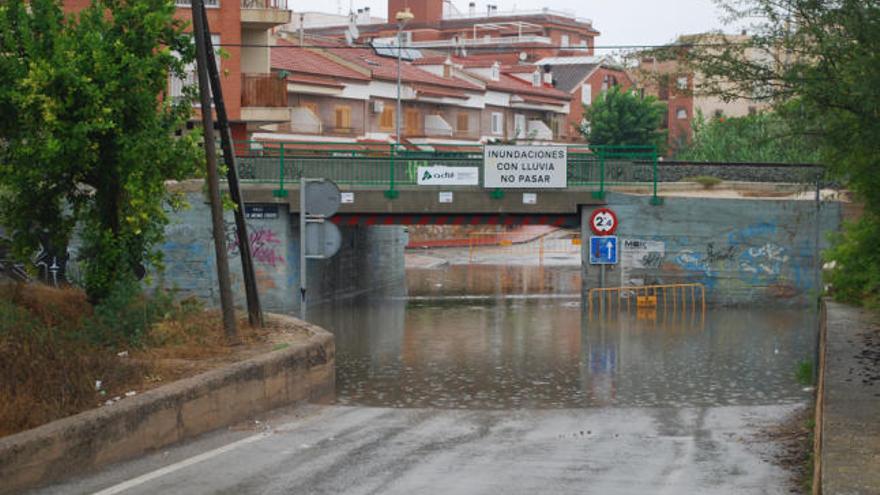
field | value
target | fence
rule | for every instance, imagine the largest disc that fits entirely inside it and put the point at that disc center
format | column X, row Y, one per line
column 391, row 166
column 648, row 300
column 513, row 245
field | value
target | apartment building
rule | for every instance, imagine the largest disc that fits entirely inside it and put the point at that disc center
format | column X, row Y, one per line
column 584, row 78
column 666, row 74
column 519, row 36
column 253, row 95
column 349, row 94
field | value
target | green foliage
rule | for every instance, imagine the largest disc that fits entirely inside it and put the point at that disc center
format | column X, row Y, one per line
column 87, row 135
column 816, row 62
column 760, row 138
column 855, row 276
column 624, row 118
column 707, row 181
column 125, row 316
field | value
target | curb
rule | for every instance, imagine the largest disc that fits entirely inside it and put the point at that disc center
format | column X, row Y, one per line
column 178, row 411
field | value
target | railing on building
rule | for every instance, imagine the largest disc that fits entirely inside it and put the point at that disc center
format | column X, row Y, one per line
column 188, row 3
column 264, row 4
column 390, row 166
column 263, row 90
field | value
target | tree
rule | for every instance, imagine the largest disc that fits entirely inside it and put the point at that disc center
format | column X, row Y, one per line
column 87, row 138
column 761, row 138
column 624, row 118
column 816, row 62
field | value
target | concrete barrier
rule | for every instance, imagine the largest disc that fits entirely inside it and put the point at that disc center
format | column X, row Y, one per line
column 181, row 410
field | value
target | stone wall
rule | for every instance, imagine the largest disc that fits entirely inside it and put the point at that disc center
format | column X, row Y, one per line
column 745, row 252
column 742, row 172
column 371, row 258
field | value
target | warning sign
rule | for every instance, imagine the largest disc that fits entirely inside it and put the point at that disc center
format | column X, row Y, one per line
column 524, row 167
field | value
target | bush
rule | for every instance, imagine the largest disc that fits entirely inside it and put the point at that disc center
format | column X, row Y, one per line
column 855, row 276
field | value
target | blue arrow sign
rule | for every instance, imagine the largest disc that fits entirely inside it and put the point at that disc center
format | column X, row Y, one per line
column 603, row 250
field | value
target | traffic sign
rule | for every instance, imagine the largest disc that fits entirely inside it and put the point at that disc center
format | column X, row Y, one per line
column 322, row 197
column 322, row 240
column 603, row 250
column 603, row 221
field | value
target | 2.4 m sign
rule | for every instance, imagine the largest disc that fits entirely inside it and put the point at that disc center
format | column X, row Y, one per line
column 525, row 167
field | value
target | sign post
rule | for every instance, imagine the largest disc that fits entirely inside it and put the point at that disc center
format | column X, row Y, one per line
column 603, row 245
column 319, row 199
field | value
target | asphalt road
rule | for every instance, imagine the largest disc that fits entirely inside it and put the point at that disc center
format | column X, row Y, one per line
column 359, row 450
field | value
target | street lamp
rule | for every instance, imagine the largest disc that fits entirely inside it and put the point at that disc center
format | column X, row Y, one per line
column 402, row 17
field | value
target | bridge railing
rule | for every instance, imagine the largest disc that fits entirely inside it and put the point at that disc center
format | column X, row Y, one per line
column 391, row 166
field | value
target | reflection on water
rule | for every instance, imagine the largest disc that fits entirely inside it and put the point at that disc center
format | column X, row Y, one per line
column 525, row 352
column 455, row 280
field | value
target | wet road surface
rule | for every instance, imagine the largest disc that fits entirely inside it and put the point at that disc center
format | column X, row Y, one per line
column 363, row 450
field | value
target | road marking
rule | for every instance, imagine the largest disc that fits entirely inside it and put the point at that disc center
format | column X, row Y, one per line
column 140, row 480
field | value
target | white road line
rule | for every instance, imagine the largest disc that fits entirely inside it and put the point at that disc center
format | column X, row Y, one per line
column 140, row 480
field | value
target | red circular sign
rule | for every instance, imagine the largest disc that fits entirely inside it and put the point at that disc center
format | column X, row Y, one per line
column 603, row 221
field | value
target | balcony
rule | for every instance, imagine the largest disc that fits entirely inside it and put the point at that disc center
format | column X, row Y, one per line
column 264, row 14
column 264, row 98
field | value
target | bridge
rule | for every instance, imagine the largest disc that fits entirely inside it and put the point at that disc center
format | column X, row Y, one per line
column 381, row 182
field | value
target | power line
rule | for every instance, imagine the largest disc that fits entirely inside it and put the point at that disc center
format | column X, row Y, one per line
column 483, row 48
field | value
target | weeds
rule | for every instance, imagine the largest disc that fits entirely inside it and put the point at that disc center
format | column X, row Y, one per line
column 804, row 373
column 707, row 181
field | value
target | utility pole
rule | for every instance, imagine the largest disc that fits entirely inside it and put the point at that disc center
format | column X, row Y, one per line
column 226, row 303
column 255, row 312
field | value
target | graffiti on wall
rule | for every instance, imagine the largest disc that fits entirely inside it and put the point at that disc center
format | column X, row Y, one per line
column 264, row 242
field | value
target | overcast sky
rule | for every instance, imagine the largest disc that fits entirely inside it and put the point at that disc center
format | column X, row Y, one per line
column 621, row 22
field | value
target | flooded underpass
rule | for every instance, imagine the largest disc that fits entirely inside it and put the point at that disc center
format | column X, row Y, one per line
column 522, row 349
column 495, row 370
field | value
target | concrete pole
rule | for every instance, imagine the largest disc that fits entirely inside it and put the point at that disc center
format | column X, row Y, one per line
column 226, row 303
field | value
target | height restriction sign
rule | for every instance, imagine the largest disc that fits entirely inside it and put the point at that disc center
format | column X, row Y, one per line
column 603, row 221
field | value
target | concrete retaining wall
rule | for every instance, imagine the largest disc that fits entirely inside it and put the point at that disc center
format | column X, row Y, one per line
column 171, row 413
column 755, row 252
column 371, row 258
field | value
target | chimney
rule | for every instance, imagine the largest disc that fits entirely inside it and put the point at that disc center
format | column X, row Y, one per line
column 424, row 11
column 472, row 9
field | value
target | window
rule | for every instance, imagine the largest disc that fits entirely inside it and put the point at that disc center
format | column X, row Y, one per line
column 681, row 114
column 587, row 94
column 564, row 40
column 177, row 85
column 536, row 79
column 412, row 121
column 519, row 124
column 462, row 122
column 343, row 118
column 386, row 119
column 682, row 83
column 497, row 121
column 496, row 72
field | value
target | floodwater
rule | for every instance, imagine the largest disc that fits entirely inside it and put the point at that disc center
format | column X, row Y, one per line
column 509, row 337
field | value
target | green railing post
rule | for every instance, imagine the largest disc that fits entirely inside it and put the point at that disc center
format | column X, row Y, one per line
column 280, row 192
column 391, row 193
column 655, row 199
column 600, row 194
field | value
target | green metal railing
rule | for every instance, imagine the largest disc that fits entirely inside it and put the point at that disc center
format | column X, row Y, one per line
column 391, row 166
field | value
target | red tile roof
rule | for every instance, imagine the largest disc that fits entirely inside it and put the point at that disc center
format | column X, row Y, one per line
column 511, row 84
column 316, row 81
column 385, row 68
column 288, row 56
